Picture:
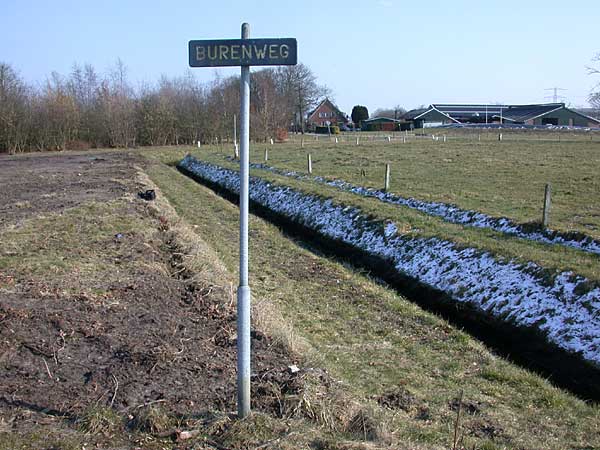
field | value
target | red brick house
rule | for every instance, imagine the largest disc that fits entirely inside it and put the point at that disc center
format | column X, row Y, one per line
column 326, row 112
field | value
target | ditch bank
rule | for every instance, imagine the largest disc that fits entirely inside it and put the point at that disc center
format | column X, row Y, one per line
column 453, row 214
column 546, row 321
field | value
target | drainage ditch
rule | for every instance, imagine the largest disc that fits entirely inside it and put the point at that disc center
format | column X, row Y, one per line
column 524, row 346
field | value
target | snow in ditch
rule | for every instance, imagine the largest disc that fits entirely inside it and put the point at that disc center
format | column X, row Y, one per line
column 561, row 307
column 454, row 214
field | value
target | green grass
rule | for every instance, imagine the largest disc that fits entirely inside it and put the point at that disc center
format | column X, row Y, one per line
column 554, row 258
column 65, row 246
column 498, row 178
column 376, row 342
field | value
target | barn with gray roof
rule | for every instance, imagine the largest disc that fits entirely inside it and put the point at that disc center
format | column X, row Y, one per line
column 537, row 114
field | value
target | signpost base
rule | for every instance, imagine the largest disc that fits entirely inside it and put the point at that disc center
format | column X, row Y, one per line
column 243, row 350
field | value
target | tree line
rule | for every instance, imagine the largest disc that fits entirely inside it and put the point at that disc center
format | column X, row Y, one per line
column 86, row 109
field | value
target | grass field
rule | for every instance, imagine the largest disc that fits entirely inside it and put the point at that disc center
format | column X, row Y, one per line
column 498, row 178
column 411, row 365
column 552, row 257
column 81, row 268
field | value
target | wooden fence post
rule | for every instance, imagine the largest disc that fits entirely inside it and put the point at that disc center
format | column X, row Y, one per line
column 266, row 154
column 386, row 183
column 309, row 163
column 547, row 203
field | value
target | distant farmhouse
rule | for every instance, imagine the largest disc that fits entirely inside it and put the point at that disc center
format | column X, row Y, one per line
column 539, row 114
column 326, row 113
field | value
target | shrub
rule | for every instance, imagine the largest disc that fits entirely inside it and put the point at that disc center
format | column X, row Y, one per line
column 334, row 129
column 281, row 134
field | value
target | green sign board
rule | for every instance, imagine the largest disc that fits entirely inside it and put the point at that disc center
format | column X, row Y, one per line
column 243, row 52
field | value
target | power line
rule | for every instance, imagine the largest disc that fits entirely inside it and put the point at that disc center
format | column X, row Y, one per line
column 555, row 97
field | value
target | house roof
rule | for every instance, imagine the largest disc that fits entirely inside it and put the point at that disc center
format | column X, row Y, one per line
column 466, row 112
column 522, row 113
column 511, row 113
column 331, row 105
column 418, row 113
column 380, row 119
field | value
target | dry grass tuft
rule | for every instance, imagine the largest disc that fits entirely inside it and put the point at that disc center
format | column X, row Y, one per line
column 268, row 318
column 363, row 426
column 100, row 420
column 152, row 419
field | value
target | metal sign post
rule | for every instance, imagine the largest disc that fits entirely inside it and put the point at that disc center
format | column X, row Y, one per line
column 243, row 293
column 243, row 52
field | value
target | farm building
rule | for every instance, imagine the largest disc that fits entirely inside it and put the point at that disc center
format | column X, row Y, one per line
column 379, row 124
column 537, row 114
column 326, row 114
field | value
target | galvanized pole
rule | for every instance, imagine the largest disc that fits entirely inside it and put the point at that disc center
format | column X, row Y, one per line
column 243, row 293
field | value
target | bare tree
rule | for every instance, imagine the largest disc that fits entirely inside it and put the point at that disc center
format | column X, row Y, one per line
column 391, row 113
column 116, row 105
column 270, row 110
column 301, row 90
column 85, row 109
column 191, row 109
column 61, row 111
column 83, row 85
column 14, row 112
column 594, row 97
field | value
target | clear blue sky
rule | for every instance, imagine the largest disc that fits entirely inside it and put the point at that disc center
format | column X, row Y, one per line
column 374, row 52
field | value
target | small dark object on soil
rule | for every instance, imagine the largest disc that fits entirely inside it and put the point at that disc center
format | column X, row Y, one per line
column 471, row 408
column 398, row 399
column 149, row 195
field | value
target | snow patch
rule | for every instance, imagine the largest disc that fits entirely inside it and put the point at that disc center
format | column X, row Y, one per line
column 521, row 294
column 454, row 214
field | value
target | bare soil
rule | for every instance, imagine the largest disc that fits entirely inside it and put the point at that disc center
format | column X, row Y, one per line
column 125, row 341
column 33, row 184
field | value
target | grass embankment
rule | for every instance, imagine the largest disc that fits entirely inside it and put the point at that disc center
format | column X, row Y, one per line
column 384, row 349
column 552, row 257
column 502, row 179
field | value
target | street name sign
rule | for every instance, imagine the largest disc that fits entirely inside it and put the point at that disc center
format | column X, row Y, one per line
column 243, row 52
